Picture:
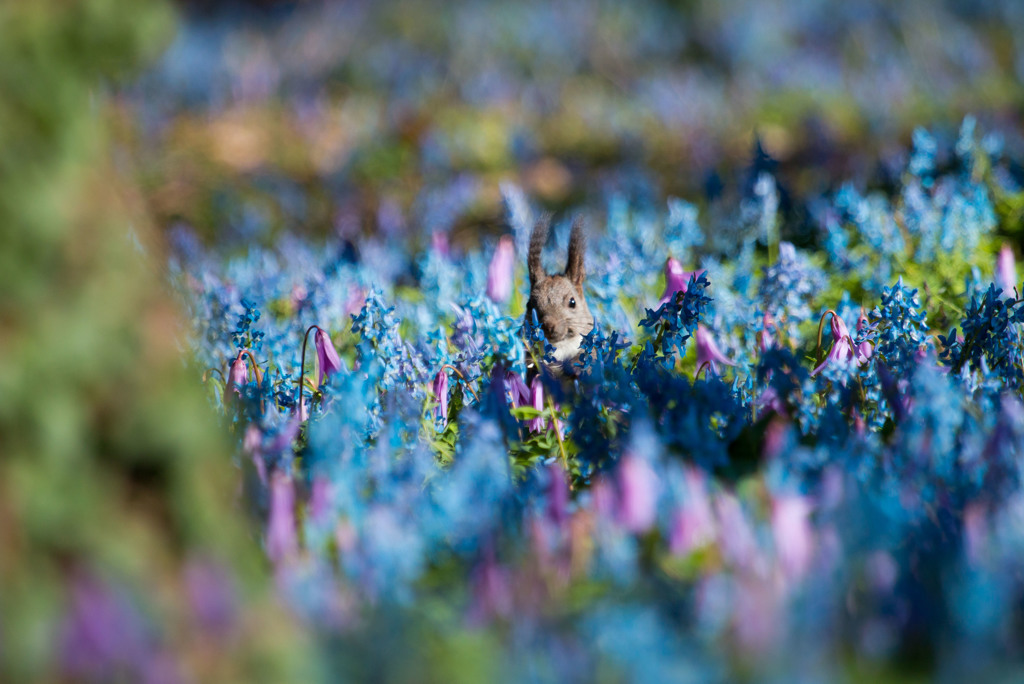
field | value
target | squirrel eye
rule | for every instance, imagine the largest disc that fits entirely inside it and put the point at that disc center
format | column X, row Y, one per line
column 572, row 302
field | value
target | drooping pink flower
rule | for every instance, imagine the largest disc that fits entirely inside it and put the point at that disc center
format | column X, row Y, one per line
column 757, row 615
column 237, row 376
column 693, row 525
column 791, row 529
column 558, row 494
column 537, row 402
column 499, row 273
column 602, row 496
column 327, row 355
column 638, row 494
column 440, row 391
column 842, row 347
column 282, row 542
column 252, row 443
column 676, row 279
column 1006, row 270
column 708, row 351
column 739, row 546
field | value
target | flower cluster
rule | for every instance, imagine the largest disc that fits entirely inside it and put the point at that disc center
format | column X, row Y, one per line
column 717, row 449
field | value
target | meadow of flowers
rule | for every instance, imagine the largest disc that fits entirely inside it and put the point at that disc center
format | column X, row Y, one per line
column 779, row 461
column 275, row 411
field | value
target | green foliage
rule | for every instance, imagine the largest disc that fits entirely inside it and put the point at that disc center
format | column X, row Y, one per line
column 112, row 467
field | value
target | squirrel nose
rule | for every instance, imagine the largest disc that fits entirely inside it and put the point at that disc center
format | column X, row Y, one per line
column 551, row 331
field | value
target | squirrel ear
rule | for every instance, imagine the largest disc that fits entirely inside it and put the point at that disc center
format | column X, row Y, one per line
column 574, row 268
column 538, row 237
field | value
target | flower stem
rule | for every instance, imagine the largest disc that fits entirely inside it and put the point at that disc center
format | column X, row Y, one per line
column 302, row 364
column 558, row 433
column 463, row 378
column 821, row 329
column 218, row 371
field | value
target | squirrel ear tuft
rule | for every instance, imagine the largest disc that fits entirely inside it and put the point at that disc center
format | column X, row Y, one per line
column 538, row 237
column 574, row 268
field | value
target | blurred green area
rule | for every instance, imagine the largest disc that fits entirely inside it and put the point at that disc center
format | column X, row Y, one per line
column 111, row 466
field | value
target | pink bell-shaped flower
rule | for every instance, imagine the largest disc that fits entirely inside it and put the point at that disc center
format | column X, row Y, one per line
column 708, row 351
column 693, row 524
column 537, row 402
column 440, row 391
column 1006, row 270
column 499, row 273
column 842, row 347
column 676, row 279
column 794, row 541
column 282, row 542
column 238, row 375
column 638, row 494
column 327, row 355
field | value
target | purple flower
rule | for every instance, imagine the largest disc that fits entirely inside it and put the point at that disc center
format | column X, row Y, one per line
column 708, row 351
column 1006, row 270
column 676, row 279
column 794, row 542
column 211, row 594
column 440, row 391
column 694, row 524
column 499, row 273
column 103, row 634
column 638, row 494
column 327, row 355
column 842, row 348
column 558, row 495
column 739, row 545
column 282, row 542
column 252, row 443
column 516, row 391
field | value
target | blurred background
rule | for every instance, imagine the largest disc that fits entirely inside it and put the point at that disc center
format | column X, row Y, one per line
column 343, row 117
column 240, row 122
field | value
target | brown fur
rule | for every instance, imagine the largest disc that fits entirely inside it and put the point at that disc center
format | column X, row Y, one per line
column 552, row 295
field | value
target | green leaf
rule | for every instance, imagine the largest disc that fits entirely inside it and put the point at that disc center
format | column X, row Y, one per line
column 526, row 413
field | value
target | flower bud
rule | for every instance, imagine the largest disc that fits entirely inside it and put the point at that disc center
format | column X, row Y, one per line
column 237, row 376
